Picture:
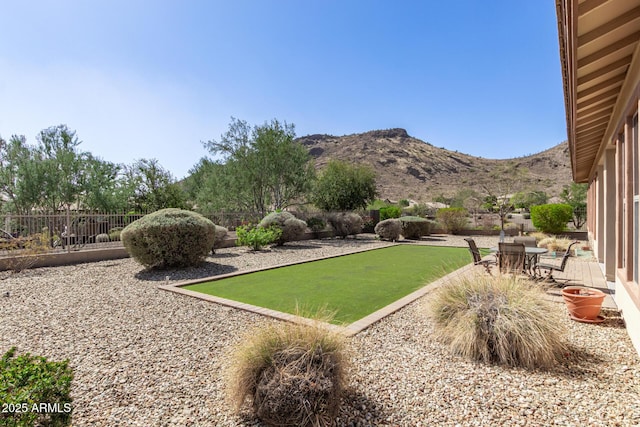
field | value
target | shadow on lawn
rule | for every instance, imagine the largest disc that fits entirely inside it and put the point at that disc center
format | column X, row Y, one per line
column 206, row 269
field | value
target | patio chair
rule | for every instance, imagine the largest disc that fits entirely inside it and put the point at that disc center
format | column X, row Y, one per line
column 548, row 277
column 512, row 257
column 477, row 258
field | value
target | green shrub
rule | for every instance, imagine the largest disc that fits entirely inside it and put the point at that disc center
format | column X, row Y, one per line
column 114, row 234
column 345, row 223
column 28, row 380
column 390, row 212
column 453, row 220
column 220, row 234
column 256, row 237
column 169, row 238
column 389, row 229
column 294, row 375
column 414, row 227
column 291, row 227
column 103, row 238
column 504, row 320
column 552, row 218
column 316, row 224
column 404, row 203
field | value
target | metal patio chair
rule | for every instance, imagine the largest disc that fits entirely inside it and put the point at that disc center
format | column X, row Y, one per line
column 487, row 263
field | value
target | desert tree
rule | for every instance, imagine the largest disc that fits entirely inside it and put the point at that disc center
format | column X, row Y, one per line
column 505, row 182
column 152, row 187
column 575, row 195
column 343, row 186
column 260, row 167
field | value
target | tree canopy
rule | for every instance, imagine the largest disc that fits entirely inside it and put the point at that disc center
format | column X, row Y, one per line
column 261, row 168
column 344, row 186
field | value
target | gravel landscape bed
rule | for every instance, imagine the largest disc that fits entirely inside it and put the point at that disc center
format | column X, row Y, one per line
column 145, row 357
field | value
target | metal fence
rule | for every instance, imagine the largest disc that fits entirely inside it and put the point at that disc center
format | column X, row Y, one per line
column 68, row 231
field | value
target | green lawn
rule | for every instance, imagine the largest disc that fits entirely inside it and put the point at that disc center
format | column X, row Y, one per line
column 352, row 285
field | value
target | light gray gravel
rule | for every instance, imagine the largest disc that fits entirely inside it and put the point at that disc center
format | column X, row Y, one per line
column 145, row 357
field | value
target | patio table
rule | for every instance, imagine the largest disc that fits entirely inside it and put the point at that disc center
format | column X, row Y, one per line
column 532, row 253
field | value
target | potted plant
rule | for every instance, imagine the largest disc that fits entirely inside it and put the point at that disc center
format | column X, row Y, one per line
column 583, row 303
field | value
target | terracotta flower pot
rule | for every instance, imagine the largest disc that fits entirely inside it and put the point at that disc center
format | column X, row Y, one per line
column 583, row 303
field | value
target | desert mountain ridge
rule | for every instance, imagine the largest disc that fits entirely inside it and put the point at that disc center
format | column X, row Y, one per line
column 409, row 168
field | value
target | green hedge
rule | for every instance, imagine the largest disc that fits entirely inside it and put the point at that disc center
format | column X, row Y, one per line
column 551, row 218
column 390, row 212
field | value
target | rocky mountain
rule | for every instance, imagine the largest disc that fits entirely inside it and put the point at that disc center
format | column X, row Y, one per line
column 409, row 168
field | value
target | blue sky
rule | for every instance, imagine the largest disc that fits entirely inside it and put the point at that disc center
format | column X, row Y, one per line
column 152, row 79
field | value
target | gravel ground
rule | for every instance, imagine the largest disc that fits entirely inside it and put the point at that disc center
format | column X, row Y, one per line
column 145, row 357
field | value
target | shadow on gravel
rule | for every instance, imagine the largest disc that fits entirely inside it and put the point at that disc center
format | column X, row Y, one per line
column 578, row 363
column 206, row 269
column 294, row 248
column 358, row 409
column 223, row 255
column 432, row 239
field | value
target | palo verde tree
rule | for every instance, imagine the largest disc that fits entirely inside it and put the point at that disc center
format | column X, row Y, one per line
column 262, row 167
column 344, row 187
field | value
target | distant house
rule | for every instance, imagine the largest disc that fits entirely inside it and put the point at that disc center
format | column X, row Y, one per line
column 600, row 55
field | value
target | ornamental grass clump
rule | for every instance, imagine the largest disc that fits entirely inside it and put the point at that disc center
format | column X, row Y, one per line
column 502, row 320
column 169, row 238
column 291, row 228
column 293, row 375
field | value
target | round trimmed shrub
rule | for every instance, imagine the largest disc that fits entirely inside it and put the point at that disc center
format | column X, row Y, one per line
column 414, row 227
column 169, row 238
column 345, row 223
column 389, row 229
column 316, row 224
column 293, row 375
column 551, row 218
column 220, row 234
column 502, row 320
column 114, row 234
column 102, row 238
column 292, row 228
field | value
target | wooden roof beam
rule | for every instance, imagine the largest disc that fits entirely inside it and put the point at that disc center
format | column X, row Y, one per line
column 613, row 81
column 603, row 96
column 624, row 62
column 588, row 5
column 606, row 28
column 613, row 47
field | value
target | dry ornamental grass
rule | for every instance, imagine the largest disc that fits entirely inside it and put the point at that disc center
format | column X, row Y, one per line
column 503, row 320
column 294, row 375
